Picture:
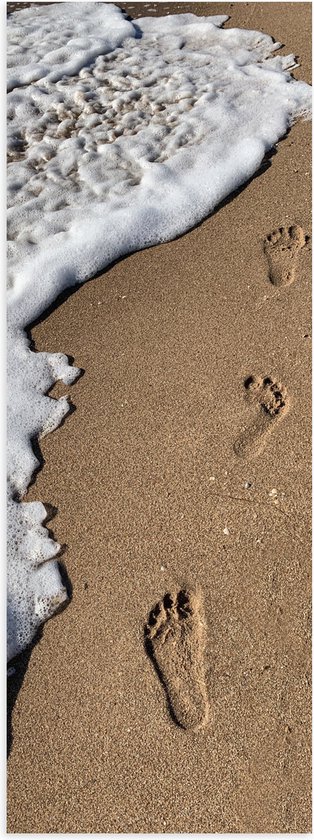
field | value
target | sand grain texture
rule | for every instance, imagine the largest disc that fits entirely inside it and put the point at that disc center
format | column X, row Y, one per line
column 152, row 498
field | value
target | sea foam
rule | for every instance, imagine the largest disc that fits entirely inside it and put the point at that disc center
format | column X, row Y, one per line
column 120, row 135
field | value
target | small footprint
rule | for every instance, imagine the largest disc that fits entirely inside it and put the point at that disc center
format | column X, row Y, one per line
column 282, row 248
column 271, row 399
column 175, row 640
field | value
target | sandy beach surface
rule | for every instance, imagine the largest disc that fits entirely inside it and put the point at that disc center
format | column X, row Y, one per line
column 184, row 468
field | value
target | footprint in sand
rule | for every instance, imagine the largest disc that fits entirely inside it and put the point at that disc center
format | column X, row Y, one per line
column 282, row 248
column 175, row 640
column 272, row 402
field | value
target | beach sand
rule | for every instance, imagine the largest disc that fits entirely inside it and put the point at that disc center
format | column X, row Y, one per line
column 179, row 472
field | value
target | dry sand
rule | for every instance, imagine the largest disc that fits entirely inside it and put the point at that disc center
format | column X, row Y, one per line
column 153, row 498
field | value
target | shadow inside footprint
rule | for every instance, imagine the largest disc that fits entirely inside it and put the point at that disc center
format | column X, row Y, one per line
column 281, row 249
column 175, row 641
column 271, row 399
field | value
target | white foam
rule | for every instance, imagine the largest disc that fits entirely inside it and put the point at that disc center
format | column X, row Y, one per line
column 120, row 135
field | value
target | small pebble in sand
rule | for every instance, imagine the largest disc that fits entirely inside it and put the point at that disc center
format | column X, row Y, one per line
column 226, row 532
column 212, row 478
column 247, row 485
column 274, row 496
column 162, row 568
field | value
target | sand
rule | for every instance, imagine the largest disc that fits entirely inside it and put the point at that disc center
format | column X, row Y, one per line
column 182, row 471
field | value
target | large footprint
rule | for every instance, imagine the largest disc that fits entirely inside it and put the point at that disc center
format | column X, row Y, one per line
column 282, row 248
column 272, row 402
column 175, row 640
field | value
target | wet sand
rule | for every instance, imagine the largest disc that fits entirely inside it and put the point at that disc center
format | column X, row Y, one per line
column 185, row 468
